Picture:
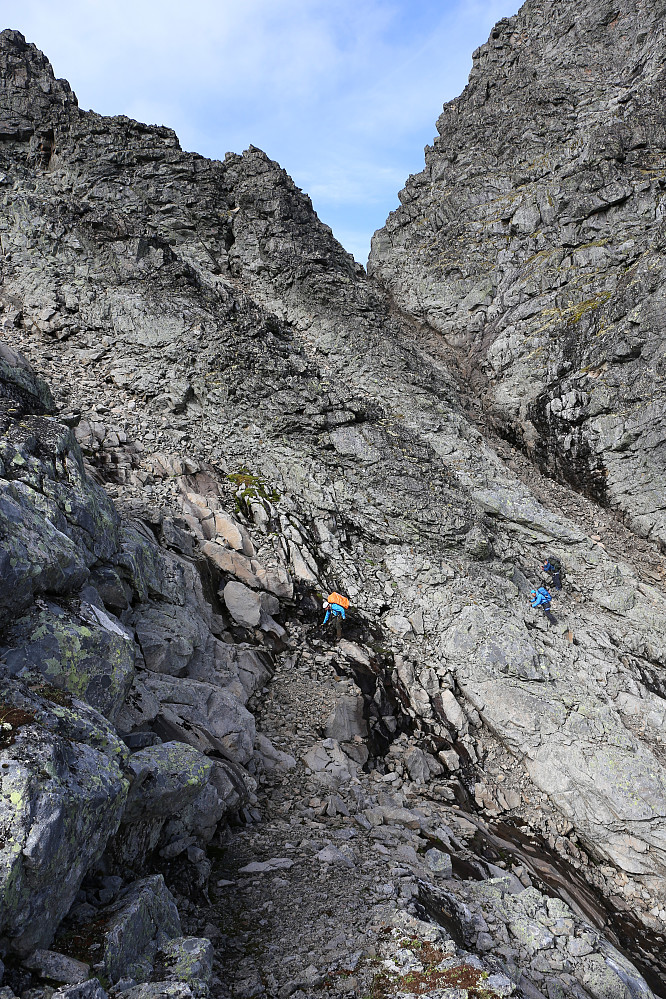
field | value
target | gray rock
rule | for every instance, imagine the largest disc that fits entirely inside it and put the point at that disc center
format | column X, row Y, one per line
column 203, row 715
column 160, row 990
column 272, row 758
column 328, row 760
column 439, row 862
column 64, row 791
column 233, row 533
column 90, row 655
column 346, row 719
column 91, row 989
column 243, row 604
column 417, row 765
column 57, row 967
column 36, row 557
column 139, row 923
column 266, row 866
column 337, row 858
column 168, row 777
column 189, row 959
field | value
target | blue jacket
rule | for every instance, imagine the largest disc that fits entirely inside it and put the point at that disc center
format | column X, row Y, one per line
column 334, row 610
column 549, row 567
column 542, row 598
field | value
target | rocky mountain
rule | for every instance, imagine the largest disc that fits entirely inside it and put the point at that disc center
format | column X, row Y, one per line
column 210, row 418
column 533, row 243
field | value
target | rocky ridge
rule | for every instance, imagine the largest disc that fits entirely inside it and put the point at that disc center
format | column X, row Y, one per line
column 269, row 427
column 532, row 243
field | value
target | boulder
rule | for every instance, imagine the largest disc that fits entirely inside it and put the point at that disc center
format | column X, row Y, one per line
column 35, row 557
column 171, row 637
column 328, row 761
column 267, row 866
column 203, row 715
column 232, row 562
column 167, row 778
column 90, row 989
column 243, row 604
column 346, row 719
column 439, row 862
column 20, row 387
column 189, row 959
column 89, row 655
column 160, row 990
column 276, row 580
column 233, row 533
column 417, row 765
column 57, row 967
column 332, row 855
column 151, row 571
column 270, row 757
column 140, row 922
column 398, row 624
column 63, row 793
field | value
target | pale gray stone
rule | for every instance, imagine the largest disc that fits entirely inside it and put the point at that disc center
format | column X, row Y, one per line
column 243, row 604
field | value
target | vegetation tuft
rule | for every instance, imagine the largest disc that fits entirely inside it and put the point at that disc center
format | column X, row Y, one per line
column 462, row 976
column 11, row 720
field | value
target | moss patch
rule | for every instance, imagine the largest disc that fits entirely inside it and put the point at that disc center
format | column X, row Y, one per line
column 462, row 976
column 54, row 694
column 83, row 943
column 249, row 487
column 11, row 720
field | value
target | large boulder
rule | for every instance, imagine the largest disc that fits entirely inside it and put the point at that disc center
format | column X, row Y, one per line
column 142, row 920
column 35, row 557
column 63, row 791
column 89, row 655
column 189, row 959
column 346, row 719
column 243, row 604
column 167, row 777
column 202, row 714
column 21, row 389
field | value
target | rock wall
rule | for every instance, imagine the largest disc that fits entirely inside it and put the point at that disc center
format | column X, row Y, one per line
column 532, row 242
column 87, row 598
column 266, row 427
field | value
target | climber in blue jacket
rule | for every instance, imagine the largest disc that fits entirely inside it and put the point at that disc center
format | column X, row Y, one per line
column 542, row 598
column 553, row 567
column 334, row 612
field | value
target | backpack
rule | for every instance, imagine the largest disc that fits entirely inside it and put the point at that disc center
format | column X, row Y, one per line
column 555, row 564
column 337, row 598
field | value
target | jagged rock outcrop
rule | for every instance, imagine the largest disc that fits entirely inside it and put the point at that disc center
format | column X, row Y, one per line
column 533, row 242
column 70, row 790
column 267, row 427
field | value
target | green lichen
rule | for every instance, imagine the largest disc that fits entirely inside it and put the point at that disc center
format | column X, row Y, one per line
column 574, row 313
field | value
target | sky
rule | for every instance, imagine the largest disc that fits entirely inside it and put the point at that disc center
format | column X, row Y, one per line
column 344, row 94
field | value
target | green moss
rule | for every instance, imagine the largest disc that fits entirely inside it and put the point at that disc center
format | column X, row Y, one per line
column 249, row 487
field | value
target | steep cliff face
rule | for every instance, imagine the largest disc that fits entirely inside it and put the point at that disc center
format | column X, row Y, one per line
column 267, row 427
column 533, row 241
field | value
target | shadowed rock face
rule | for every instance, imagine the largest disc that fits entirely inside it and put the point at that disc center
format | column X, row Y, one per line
column 238, row 383
column 533, row 241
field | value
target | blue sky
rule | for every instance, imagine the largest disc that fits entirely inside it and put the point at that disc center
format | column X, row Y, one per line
column 343, row 93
